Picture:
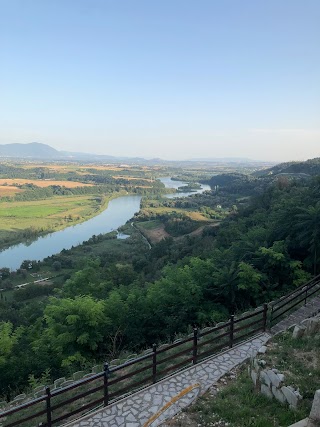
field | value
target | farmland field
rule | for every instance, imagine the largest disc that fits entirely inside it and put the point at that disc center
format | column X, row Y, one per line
column 46, row 215
column 194, row 215
column 42, row 183
column 153, row 230
column 9, row 190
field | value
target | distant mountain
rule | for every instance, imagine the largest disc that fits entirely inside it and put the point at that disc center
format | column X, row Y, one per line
column 37, row 150
column 225, row 160
column 34, row 150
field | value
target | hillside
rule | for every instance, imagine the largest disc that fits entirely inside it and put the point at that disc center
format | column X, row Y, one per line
column 310, row 167
column 137, row 296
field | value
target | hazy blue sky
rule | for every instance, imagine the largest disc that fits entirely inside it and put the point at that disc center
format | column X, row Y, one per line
column 164, row 78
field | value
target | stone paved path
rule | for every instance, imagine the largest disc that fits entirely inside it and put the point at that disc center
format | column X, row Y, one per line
column 152, row 405
column 141, row 408
column 311, row 308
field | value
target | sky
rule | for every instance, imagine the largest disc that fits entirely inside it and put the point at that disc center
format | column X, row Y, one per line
column 174, row 79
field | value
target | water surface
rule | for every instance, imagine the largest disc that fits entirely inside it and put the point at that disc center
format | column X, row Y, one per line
column 170, row 183
column 118, row 212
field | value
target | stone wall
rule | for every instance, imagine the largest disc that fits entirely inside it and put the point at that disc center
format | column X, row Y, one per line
column 271, row 383
column 307, row 327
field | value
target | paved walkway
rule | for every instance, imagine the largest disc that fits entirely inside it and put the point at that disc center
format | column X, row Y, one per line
column 156, row 403
column 310, row 309
column 152, row 405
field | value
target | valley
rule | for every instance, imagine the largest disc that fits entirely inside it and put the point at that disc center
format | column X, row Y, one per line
column 184, row 261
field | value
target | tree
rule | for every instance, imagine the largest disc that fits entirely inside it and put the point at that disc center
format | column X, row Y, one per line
column 4, row 273
column 7, row 340
column 250, row 280
column 75, row 327
column 56, row 265
column 308, row 228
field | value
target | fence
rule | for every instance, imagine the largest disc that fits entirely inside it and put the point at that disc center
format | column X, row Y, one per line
column 73, row 401
column 100, row 389
column 285, row 305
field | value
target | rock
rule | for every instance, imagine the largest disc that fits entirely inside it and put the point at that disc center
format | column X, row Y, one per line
column 262, row 349
column 254, row 377
column 255, row 364
column 298, row 331
column 315, row 410
column 301, row 423
column 278, row 394
column 293, row 397
column 313, row 326
column 274, row 378
column 264, row 377
column 266, row 391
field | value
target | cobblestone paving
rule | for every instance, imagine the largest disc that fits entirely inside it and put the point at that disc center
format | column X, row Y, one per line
column 152, row 405
column 142, row 407
column 311, row 308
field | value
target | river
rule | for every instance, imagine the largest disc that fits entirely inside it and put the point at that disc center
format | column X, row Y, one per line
column 170, row 183
column 118, row 212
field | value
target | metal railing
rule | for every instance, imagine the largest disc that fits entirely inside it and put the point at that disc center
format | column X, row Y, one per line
column 285, row 304
column 114, row 382
column 63, row 405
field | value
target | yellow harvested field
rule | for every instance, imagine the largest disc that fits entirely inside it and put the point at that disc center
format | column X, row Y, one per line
column 42, row 183
column 131, row 178
column 194, row 215
column 9, row 190
column 155, row 235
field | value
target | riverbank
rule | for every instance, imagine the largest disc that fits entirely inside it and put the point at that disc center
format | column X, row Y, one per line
column 117, row 213
column 25, row 222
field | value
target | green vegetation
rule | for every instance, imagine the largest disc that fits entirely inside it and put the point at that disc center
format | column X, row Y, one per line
column 240, row 406
column 196, row 275
column 24, row 220
column 237, row 405
column 58, row 196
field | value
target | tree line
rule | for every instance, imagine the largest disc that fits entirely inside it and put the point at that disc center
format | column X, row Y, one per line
column 117, row 303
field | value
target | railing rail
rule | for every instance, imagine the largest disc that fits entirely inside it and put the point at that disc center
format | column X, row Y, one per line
column 286, row 303
column 100, row 389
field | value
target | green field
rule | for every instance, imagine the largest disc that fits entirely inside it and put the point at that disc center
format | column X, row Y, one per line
column 24, row 219
column 31, row 211
column 192, row 214
column 149, row 225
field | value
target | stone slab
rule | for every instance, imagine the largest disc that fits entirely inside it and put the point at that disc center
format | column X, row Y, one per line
column 153, row 399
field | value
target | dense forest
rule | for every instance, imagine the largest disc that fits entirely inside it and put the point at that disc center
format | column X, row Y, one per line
column 117, row 301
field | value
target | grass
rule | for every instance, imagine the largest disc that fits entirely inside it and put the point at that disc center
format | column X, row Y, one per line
column 42, row 183
column 31, row 211
column 298, row 360
column 196, row 216
column 153, row 231
column 237, row 405
column 9, row 190
column 18, row 218
column 149, row 225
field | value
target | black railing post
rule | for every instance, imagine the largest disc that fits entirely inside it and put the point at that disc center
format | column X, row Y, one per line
column 231, row 331
column 265, row 316
column 195, row 346
column 48, row 405
column 271, row 317
column 106, row 385
column 154, row 363
column 306, row 296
